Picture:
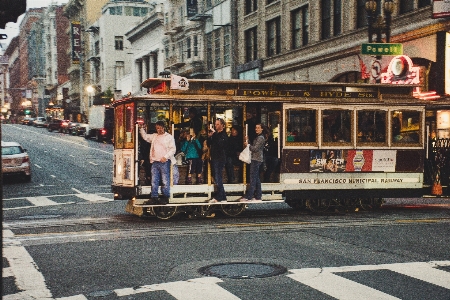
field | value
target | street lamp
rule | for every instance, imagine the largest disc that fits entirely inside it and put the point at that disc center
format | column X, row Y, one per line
column 379, row 24
column 90, row 89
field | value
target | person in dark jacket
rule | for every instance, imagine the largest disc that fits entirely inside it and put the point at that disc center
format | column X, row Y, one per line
column 254, row 191
column 270, row 156
column 217, row 142
column 234, row 149
column 195, row 122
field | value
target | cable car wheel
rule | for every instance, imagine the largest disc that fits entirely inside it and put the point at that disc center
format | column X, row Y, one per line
column 296, row 204
column 165, row 212
column 233, row 210
column 202, row 210
column 318, row 205
column 370, row 203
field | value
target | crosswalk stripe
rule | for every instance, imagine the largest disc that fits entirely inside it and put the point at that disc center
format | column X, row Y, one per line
column 336, row 286
column 27, row 276
column 77, row 297
column 93, row 197
column 41, row 201
column 193, row 289
column 423, row 271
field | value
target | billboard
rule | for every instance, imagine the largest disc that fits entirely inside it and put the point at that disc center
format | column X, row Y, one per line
column 441, row 8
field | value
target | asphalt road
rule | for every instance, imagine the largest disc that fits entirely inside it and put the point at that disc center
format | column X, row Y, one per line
column 64, row 238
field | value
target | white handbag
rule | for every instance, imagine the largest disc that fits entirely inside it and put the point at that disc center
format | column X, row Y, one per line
column 246, row 155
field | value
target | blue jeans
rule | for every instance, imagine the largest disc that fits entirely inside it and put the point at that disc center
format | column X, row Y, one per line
column 161, row 171
column 218, row 166
column 254, row 188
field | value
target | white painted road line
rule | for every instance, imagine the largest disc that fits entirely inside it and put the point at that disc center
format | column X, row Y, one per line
column 28, row 279
column 92, row 163
column 41, row 201
column 38, row 166
column 336, row 286
column 423, row 271
column 193, row 289
column 93, row 197
column 77, row 297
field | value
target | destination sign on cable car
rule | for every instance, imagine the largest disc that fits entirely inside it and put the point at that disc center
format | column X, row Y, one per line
column 308, row 94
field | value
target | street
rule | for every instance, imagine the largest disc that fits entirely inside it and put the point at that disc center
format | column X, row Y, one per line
column 65, row 238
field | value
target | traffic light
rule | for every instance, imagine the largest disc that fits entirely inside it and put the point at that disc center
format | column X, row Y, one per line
column 27, row 111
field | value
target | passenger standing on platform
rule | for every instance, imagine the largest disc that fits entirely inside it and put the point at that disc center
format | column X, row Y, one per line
column 193, row 151
column 195, row 122
column 270, row 155
column 162, row 152
column 254, row 191
column 218, row 141
column 233, row 151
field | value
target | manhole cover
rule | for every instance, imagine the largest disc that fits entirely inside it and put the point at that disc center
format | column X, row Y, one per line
column 242, row 270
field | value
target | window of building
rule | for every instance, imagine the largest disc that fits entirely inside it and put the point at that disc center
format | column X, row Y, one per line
column 128, row 11
column 209, row 53
column 208, row 4
column 337, row 17
column 326, row 19
column 115, row 11
column 273, row 37
column 406, row 6
column 181, row 53
column 250, row 6
column 120, row 69
column 251, row 44
column 371, row 127
column 217, row 57
column 166, row 51
column 188, row 47
column 336, row 126
column 226, row 45
column 118, row 42
column 406, row 127
column 195, row 45
column 300, row 27
column 361, row 14
column 423, row 3
column 301, row 126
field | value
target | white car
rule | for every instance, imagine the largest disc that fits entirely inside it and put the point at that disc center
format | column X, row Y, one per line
column 15, row 160
column 40, row 122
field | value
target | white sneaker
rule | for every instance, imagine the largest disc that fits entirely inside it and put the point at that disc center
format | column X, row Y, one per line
column 256, row 200
column 213, row 200
column 243, row 199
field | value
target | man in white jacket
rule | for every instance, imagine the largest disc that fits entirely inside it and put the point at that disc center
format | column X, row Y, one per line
column 162, row 152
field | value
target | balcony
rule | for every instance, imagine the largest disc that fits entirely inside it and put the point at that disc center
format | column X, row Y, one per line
column 175, row 62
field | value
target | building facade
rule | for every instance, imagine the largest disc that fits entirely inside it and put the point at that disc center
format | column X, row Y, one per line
column 81, row 15
column 111, row 53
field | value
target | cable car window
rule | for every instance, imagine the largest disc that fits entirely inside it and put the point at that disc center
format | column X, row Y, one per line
column 119, row 129
column 301, row 126
column 336, row 126
column 371, row 126
column 129, row 123
column 406, row 127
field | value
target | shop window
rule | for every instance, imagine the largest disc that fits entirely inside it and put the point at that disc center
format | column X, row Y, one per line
column 301, row 126
column 406, row 127
column 371, row 126
column 336, row 126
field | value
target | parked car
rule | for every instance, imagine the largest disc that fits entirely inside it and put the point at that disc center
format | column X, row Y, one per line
column 40, row 122
column 56, row 124
column 80, row 129
column 15, row 160
column 27, row 120
column 70, row 126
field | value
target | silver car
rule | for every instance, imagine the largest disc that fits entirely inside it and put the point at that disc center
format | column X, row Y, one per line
column 15, row 160
column 40, row 122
